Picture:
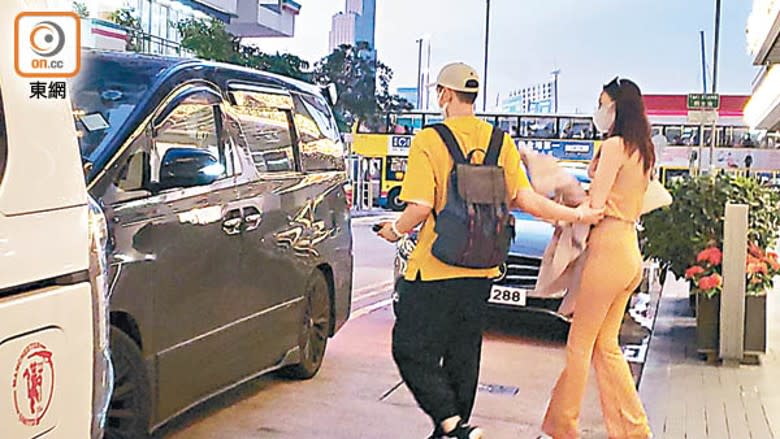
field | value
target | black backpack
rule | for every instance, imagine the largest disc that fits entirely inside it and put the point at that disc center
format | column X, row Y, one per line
column 475, row 228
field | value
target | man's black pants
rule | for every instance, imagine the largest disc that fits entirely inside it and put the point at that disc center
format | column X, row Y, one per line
column 437, row 343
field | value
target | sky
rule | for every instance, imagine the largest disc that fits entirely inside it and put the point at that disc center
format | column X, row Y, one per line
column 653, row 42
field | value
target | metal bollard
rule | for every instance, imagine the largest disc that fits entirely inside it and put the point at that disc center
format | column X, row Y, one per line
column 732, row 300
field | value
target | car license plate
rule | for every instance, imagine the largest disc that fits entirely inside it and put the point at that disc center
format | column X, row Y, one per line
column 508, row 295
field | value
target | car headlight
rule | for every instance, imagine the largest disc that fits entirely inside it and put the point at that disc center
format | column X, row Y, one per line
column 103, row 373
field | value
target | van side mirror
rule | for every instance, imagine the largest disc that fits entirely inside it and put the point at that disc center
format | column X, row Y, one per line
column 188, row 167
column 331, row 94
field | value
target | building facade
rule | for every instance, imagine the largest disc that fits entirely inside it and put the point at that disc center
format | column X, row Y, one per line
column 356, row 24
column 763, row 38
column 158, row 19
column 539, row 98
column 264, row 18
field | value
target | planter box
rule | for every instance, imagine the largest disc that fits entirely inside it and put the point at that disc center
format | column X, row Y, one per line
column 708, row 326
column 755, row 325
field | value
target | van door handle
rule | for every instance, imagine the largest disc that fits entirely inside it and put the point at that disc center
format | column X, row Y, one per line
column 232, row 226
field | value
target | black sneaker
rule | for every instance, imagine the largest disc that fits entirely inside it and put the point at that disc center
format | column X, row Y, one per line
column 465, row 431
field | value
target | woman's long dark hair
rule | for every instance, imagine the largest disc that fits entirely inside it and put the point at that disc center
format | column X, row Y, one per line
column 631, row 120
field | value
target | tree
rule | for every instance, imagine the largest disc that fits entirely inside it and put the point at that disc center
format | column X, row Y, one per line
column 281, row 63
column 81, row 9
column 127, row 19
column 210, row 40
column 363, row 85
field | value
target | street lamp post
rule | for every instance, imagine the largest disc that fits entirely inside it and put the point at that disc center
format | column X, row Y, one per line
column 555, row 74
column 715, row 48
column 487, row 43
column 427, row 75
column 419, row 72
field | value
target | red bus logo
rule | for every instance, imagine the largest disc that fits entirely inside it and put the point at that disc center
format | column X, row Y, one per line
column 33, row 384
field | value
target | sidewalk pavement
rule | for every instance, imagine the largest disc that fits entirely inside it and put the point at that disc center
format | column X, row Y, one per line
column 687, row 398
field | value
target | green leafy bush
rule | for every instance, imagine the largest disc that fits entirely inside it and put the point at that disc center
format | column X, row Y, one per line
column 676, row 234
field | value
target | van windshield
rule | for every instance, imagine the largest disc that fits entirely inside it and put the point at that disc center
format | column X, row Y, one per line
column 105, row 92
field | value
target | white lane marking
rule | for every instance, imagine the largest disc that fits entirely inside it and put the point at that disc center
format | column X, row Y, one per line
column 371, row 308
column 374, row 219
column 371, row 294
column 371, row 290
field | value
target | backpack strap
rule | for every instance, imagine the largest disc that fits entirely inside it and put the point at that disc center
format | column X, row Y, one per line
column 494, row 150
column 452, row 144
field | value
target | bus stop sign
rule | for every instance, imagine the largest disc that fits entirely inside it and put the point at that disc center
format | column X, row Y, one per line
column 703, row 101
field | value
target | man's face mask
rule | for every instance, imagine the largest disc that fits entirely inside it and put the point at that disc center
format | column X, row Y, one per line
column 442, row 105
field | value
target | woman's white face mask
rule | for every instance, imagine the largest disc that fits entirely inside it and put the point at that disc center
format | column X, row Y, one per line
column 604, row 117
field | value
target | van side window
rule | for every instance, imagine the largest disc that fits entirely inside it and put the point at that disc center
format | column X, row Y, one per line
column 264, row 125
column 185, row 150
column 3, row 140
column 321, row 148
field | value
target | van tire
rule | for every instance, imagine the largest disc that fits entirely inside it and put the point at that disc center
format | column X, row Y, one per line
column 315, row 329
column 393, row 201
column 128, row 412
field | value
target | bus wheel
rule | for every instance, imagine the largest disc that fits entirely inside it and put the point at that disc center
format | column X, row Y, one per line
column 393, row 202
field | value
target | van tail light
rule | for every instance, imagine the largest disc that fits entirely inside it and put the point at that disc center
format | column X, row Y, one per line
column 103, row 372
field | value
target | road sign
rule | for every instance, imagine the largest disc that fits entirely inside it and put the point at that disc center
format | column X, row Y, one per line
column 703, row 101
column 700, row 117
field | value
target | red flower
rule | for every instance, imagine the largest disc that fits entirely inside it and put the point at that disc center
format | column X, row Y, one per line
column 754, row 250
column 757, row 267
column 716, row 256
column 693, row 272
column 771, row 259
column 710, row 282
column 712, row 255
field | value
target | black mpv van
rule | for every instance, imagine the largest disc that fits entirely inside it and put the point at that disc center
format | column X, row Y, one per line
column 230, row 240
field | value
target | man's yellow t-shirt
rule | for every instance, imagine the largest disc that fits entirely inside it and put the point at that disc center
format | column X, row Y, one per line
column 426, row 180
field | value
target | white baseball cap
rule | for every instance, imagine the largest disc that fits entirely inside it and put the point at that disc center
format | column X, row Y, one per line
column 459, row 77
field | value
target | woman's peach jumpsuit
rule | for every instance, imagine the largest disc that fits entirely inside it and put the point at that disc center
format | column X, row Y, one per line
column 612, row 270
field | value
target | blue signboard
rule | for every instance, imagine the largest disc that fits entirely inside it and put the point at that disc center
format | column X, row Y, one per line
column 561, row 149
column 399, row 145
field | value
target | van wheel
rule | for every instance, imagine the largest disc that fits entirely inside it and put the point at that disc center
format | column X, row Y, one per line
column 394, row 202
column 315, row 328
column 128, row 412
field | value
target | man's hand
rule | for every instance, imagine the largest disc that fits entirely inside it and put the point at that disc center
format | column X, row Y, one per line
column 589, row 215
column 387, row 233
